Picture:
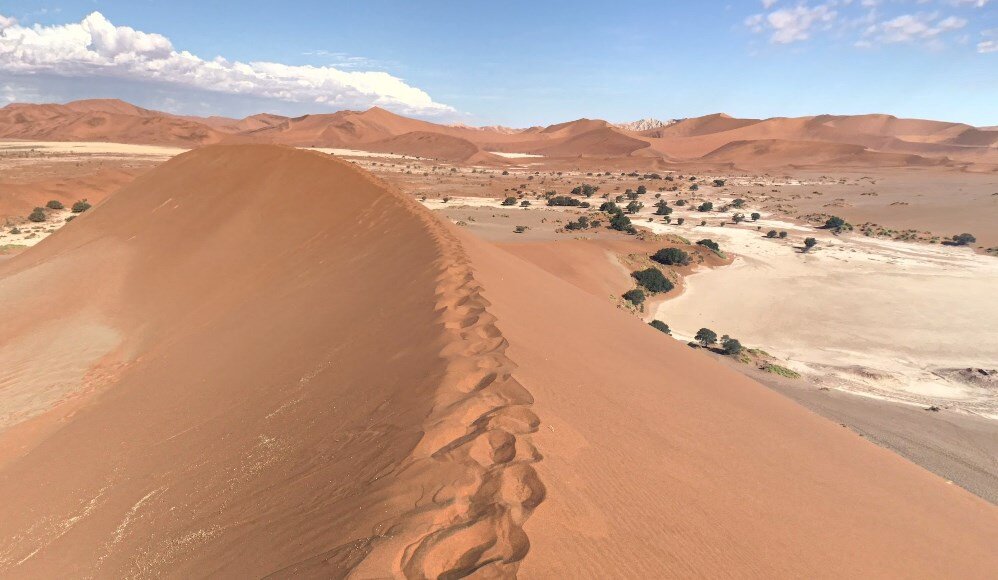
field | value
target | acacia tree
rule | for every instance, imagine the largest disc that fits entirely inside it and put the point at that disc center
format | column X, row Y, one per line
column 706, row 336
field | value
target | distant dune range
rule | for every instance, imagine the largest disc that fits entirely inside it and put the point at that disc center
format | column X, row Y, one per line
column 294, row 370
column 875, row 140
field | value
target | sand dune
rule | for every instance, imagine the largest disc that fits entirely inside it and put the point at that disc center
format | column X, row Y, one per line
column 782, row 153
column 101, row 120
column 684, row 141
column 261, row 394
column 435, row 146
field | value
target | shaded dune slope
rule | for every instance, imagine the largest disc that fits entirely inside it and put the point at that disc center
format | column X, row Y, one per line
column 292, row 372
column 660, row 462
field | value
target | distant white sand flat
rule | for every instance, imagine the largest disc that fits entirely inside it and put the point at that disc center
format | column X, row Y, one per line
column 513, row 155
column 360, row 153
column 872, row 316
column 90, row 148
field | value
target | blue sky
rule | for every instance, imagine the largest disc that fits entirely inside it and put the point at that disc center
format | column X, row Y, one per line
column 512, row 63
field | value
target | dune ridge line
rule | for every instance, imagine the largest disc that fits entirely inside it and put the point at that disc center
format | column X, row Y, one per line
column 480, row 427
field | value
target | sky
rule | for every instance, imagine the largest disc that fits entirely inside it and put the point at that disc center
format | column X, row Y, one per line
column 511, row 63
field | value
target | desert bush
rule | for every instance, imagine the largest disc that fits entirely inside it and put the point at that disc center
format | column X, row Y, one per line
column 755, row 216
column 525, row 203
column 719, row 183
column 731, row 346
column 55, row 204
column 642, row 190
column 520, row 229
column 709, row 243
column 37, row 215
column 634, row 207
column 636, row 296
column 671, row 257
column 964, row 239
column 663, row 209
column 705, row 206
column 653, row 280
column 621, row 223
column 783, row 234
column 809, row 243
column 509, row 201
column 771, row 234
column 834, row 223
column 564, row 200
column 660, row 326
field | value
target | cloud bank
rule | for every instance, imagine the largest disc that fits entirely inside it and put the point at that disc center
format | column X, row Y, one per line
column 97, row 47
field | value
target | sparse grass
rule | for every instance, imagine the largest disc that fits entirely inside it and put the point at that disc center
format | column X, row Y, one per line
column 781, row 370
column 7, row 248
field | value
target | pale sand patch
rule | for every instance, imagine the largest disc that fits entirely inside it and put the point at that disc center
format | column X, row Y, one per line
column 871, row 316
column 514, row 155
column 90, row 148
column 360, row 153
column 40, row 368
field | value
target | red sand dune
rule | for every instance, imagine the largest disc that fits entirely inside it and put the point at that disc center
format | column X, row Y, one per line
column 685, row 141
column 781, row 153
column 102, row 120
column 294, row 370
column 435, row 146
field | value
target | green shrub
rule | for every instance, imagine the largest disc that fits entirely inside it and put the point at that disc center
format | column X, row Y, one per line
column 55, row 204
column 771, row 234
column 564, row 200
column 653, row 280
column 82, row 206
column 809, row 243
column 755, row 216
column 661, row 326
column 964, row 239
column 708, row 243
column 705, row 206
column 731, row 346
column 509, row 201
column 636, row 296
column 671, row 257
column 834, row 223
column 621, row 223
column 37, row 215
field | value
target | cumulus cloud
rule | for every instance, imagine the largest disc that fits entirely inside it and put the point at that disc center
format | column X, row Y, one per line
column 913, row 28
column 794, row 24
column 97, row 47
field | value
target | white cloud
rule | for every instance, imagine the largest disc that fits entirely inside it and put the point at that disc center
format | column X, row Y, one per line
column 96, row 47
column 986, row 46
column 912, row 28
column 974, row 3
column 767, row 4
column 792, row 24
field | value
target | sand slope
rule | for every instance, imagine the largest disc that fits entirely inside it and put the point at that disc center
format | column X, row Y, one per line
column 661, row 463
column 289, row 369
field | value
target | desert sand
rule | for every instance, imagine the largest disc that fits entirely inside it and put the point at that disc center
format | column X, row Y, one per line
column 296, row 370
